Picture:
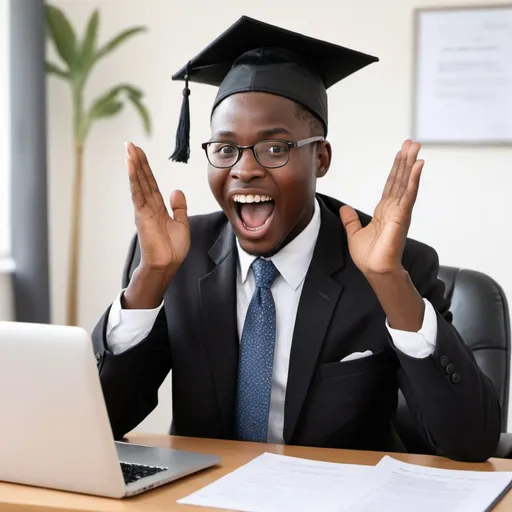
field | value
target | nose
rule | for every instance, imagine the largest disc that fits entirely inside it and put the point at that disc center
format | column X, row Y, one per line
column 247, row 168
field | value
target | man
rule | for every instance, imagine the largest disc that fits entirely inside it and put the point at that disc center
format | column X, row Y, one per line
column 288, row 317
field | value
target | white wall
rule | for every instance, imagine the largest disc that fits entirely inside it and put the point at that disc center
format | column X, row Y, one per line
column 464, row 198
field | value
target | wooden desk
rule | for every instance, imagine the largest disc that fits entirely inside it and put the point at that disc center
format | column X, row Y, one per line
column 17, row 498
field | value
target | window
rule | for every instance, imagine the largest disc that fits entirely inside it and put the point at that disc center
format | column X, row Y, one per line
column 5, row 145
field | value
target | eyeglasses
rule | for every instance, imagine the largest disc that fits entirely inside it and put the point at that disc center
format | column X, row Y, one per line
column 270, row 154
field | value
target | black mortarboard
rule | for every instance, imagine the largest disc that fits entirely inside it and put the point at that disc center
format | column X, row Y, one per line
column 255, row 56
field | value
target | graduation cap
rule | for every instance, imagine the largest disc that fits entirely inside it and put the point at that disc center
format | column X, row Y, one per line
column 255, row 56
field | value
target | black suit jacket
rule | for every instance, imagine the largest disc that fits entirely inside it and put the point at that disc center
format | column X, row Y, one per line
column 328, row 403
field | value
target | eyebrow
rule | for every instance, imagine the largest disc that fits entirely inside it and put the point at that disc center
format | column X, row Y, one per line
column 261, row 134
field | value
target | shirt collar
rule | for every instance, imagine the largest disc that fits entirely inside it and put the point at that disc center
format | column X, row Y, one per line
column 293, row 259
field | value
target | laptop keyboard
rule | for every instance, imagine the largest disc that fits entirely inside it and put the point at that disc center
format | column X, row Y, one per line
column 134, row 472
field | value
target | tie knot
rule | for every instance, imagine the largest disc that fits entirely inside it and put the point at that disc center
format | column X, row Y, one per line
column 265, row 273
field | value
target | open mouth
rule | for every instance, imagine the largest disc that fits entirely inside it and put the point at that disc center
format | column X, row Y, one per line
column 254, row 211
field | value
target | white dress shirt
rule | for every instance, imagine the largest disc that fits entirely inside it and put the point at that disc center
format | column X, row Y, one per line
column 125, row 328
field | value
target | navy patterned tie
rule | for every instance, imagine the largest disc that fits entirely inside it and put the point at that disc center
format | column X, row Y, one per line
column 257, row 357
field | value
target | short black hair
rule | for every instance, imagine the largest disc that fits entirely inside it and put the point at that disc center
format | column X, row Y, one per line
column 316, row 127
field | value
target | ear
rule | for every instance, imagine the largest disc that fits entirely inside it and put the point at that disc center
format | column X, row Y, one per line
column 323, row 157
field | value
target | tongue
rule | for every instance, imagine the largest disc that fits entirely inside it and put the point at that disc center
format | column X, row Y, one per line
column 255, row 215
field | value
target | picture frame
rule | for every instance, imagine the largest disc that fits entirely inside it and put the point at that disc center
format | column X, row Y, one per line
column 462, row 76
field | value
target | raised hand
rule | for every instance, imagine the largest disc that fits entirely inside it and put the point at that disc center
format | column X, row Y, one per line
column 164, row 240
column 378, row 247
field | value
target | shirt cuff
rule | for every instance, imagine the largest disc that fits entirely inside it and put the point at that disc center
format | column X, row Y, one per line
column 128, row 327
column 419, row 344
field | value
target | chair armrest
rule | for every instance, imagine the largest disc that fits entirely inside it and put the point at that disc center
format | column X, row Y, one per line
column 504, row 450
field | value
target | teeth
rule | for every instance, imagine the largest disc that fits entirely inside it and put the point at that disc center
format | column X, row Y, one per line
column 241, row 198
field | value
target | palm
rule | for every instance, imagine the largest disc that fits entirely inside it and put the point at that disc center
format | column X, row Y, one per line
column 378, row 247
column 164, row 240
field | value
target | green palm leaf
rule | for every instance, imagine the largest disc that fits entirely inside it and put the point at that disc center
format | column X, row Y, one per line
column 79, row 58
column 117, row 40
column 107, row 109
column 53, row 69
column 143, row 112
column 129, row 89
column 111, row 102
column 105, row 105
column 132, row 90
column 90, row 39
column 62, row 35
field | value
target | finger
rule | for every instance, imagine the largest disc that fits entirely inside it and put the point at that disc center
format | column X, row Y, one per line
column 133, row 155
column 411, row 192
column 131, row 152
column 401, row 168
column 136, row 157
column 148, row 173
column 412, row 157
column 179, row 207
column 138, row 198
column 350, row 220
column 392, row 176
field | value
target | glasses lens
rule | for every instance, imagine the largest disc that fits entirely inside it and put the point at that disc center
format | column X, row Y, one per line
column 272, row 153
column 221, row 154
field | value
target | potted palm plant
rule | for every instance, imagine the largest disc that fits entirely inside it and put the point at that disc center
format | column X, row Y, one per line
column 78, row 58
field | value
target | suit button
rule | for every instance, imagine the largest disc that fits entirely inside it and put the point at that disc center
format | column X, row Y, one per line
column 97, row 357
column 450, row 368
column 455, row 378
column 444, row 361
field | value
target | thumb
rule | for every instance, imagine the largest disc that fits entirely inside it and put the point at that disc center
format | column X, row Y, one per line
column 350, row 220
column 179, row 207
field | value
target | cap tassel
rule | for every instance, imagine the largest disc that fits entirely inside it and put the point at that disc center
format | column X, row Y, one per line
column 182, row 150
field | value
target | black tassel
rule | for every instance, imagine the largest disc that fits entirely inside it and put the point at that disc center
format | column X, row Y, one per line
column 182, row 150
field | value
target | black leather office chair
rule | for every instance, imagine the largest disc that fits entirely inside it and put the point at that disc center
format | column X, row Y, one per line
column 480, row 314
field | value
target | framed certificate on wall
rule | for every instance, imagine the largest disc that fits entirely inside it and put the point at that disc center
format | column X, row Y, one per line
column 462, row 92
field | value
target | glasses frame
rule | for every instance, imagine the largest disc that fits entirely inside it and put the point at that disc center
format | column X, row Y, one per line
column 290, row 144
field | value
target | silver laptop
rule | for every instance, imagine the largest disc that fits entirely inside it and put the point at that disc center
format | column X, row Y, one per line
column 54, row 428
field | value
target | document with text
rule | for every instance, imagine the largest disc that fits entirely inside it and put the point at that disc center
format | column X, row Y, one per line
column 400, row 487
column 277, row 483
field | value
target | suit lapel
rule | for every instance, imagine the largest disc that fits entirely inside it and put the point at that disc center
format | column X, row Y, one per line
column 317, row 304
column 218, row 301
